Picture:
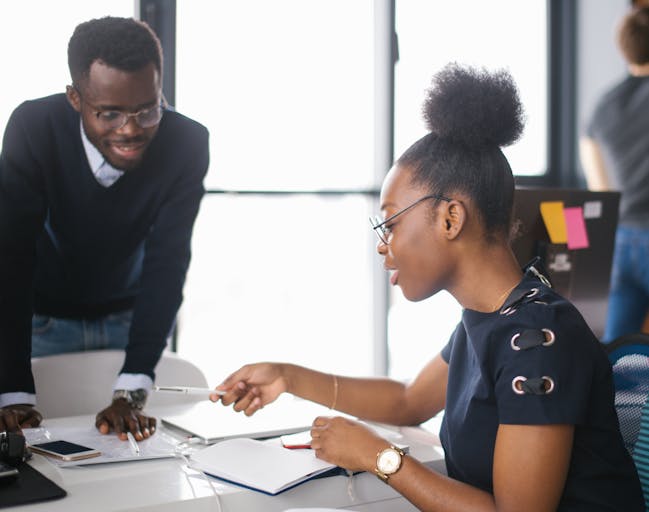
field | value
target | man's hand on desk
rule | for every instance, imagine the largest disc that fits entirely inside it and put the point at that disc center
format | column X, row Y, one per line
column 122, row 417
column 13, row 418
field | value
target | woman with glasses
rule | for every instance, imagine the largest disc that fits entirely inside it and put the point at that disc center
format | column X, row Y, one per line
column 529, row 421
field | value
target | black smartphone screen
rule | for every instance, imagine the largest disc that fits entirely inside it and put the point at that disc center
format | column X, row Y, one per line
column 62, row 447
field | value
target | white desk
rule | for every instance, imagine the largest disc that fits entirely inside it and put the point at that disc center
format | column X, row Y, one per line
column 166, row 485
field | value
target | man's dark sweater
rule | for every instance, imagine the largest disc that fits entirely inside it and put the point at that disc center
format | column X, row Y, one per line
column 72, row 248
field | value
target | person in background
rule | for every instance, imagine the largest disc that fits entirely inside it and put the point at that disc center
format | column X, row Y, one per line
column 615, row 156
column 99, row 190
column 529, row 421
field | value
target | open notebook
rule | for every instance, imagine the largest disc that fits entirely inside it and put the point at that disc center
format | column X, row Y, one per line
column 210, row 422
column 259, row 465
column 268, row 467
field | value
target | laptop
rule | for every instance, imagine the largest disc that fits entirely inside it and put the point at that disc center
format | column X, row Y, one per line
column 212, row 422
column 580, row 275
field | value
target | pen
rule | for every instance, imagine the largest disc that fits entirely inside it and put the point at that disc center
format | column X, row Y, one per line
column 187, row 390
column 134, row 446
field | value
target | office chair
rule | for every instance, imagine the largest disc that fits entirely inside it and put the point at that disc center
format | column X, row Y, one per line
column 81, row 382
column 629, row 357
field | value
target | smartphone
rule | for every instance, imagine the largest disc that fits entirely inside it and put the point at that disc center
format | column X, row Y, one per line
column 7, row 471
column 65, row 450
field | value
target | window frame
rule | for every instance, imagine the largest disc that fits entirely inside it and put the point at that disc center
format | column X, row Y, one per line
column 562, row 168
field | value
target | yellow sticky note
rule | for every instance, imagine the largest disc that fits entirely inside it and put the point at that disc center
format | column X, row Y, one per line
column 554, row 220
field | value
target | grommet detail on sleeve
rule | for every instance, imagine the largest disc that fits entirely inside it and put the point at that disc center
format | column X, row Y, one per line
column 532, row 293
column 550, row 337
column 517, row 384
column 516, row 299
column 530, row 338
column 537, row 386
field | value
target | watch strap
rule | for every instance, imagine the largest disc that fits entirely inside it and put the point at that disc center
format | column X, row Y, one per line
column 136, row 398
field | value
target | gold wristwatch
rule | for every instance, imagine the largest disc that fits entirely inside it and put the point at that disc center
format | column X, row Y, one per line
column 388, row 462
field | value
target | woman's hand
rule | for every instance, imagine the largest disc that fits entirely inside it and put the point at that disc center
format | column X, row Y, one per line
column 346, row 443
column 253, row 386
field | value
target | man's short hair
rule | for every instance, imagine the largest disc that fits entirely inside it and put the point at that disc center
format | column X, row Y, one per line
column 633, row 37
column 121, row 43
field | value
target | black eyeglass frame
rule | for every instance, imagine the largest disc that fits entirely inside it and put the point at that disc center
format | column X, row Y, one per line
column 162, row 106
column 380, row 229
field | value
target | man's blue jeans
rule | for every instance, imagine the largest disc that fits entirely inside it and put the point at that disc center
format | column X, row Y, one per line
column 629, row 295
column 52, row 335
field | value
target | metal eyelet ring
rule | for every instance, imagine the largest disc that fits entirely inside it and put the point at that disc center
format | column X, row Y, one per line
column 515, row 381
column 512, row 309
column 513, row 341
column 532, row 293
column 552, row 337
column 548, row 379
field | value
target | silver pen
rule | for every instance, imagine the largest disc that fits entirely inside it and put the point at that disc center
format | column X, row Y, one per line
column 135, row 448
column 186, row 390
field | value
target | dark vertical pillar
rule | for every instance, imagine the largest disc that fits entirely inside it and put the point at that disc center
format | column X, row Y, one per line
column 161, row 17
column 563, row 64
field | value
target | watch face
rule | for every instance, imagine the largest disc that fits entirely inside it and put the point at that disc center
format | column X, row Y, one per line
column 138, row 395
column 135, row 397
column 389, row 461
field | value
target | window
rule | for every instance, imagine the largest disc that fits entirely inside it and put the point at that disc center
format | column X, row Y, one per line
column 279, row 279
column 284, row 264
column 481, row 34
column 284, row 87
column 34, row 36
column 286, row 90
column 499, row 34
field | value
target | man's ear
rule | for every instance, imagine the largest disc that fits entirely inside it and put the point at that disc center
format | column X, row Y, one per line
column 454, row 216
column 73, row 97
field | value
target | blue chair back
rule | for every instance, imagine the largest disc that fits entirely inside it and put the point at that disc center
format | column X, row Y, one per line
column 629, row 357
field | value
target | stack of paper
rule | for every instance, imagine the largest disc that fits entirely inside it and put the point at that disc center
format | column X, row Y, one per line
column 258, row 465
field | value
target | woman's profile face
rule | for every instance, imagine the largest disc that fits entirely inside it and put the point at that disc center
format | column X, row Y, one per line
column 415, row 255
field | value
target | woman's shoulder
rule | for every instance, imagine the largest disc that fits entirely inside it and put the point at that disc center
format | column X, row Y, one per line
column 536, row 315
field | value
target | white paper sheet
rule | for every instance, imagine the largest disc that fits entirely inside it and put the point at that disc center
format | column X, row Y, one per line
column 159, row 445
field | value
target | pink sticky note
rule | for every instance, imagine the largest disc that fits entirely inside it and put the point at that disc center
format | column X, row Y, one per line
column 576, row 227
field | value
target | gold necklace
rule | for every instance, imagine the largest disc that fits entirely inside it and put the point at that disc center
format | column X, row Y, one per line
column 502, row 297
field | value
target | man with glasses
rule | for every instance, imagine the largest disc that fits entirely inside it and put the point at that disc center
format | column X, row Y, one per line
column 99, row 190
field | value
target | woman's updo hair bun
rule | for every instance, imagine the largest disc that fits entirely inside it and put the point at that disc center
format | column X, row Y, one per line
column 471, row 114
column 473, row 107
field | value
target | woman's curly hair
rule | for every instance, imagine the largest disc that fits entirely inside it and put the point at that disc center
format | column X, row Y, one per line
column 471, row 114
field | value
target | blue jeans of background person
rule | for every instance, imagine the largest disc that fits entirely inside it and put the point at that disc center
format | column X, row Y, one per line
column 629, row 295
column 52, row 335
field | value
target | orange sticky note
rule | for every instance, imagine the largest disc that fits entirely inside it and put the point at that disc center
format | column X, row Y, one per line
column 576, row 226
column 554, row 220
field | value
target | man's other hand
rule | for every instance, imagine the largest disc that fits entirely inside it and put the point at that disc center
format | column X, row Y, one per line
column 13, row 418
column 121, row 417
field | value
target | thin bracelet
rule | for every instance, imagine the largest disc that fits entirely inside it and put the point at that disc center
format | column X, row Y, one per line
column 333, row 405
